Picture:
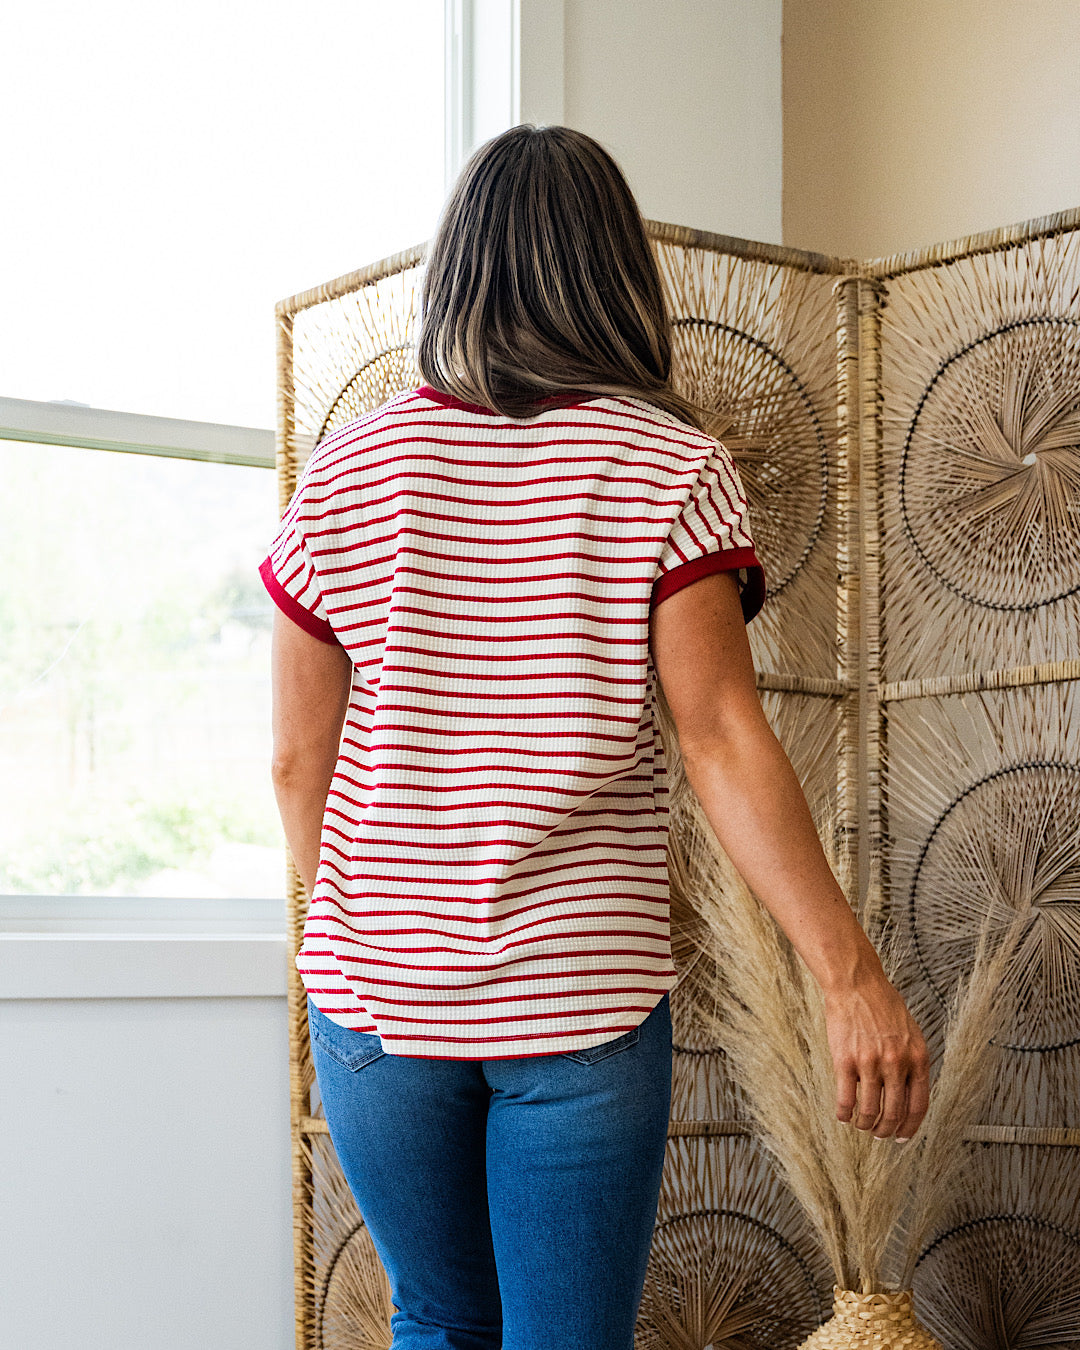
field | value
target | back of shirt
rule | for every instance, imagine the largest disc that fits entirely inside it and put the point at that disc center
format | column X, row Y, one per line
column 493, row 876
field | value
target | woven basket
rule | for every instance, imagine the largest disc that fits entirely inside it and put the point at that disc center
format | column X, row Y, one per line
column 871, row 1322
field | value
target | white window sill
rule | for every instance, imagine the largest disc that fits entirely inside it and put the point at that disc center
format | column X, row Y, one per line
column 59, row 947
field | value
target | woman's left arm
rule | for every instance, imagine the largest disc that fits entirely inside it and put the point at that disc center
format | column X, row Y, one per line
column 311, row 682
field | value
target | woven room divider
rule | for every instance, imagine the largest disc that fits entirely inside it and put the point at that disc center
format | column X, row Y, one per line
column 893, row 422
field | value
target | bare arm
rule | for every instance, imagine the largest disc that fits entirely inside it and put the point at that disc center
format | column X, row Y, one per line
column 756, row 807
column 311, row 683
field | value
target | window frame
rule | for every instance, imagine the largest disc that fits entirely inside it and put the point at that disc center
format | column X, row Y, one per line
column 60, row 422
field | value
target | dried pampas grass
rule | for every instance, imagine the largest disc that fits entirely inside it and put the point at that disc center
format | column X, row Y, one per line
column 872, row 1202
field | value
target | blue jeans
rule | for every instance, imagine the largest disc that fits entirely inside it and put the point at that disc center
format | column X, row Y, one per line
column 511, row 1201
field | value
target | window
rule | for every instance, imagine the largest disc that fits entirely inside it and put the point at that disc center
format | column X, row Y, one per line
column 172, row 171
column 134, row 649
column 178, row 171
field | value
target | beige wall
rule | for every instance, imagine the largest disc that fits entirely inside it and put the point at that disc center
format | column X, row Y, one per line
column 908, row 122
column 686, row 95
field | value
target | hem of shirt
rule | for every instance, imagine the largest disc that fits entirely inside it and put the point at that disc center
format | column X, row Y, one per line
column 572, row 1041
column 293, row 609
column 751, row 595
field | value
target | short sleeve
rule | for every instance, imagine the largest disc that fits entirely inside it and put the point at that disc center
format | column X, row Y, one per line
column 288, row 573
column 712, row 534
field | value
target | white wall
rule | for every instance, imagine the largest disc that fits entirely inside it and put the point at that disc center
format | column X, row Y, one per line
column 911, row 122
column 145, row 1178
column 687, row 96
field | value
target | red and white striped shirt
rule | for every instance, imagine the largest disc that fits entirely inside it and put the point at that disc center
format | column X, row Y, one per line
column 492, row 877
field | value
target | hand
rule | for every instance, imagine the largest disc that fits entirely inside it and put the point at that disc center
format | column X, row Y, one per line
column 880, row 1057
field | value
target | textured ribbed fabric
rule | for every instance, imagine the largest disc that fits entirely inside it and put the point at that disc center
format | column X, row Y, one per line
column 492, row 878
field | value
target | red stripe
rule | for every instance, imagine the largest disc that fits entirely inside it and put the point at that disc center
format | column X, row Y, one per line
column 463, row 968
column 631, row 412
column 510, row 914
column 474, row 696
column 518, row 1017
column 566, row 715
column 396, row 669
column 508, row 928
column 408, row 630
column 425, row 477
column 515, row 523
column 399, row 648
column 366, row 460
column 492, row 560
column 402, row 568
column 531, row 996
column 519, row 977
column 512, row 598
column 494, row 766
column 544, row 902
column 486, row 881
column 546, row 615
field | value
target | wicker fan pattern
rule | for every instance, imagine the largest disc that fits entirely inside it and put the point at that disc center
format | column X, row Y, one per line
column 973, row 656
column 1004, row 1273
column 733, row 1264
column 984, row 799
column 753, row 343
column 980, row 488
column 722, row 1271
column 351, row 351
column 352, row 1291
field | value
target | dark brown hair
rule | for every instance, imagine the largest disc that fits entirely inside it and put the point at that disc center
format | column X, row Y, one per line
column 542, row 280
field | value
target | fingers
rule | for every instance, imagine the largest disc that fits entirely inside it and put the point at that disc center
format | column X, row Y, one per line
column 847, row 1085
column 894, row 1104
column 863, row 1089
column 918, row 1098
column 870, row 1092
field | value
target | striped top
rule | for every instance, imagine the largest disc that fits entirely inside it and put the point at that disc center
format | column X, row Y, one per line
column 492, row 876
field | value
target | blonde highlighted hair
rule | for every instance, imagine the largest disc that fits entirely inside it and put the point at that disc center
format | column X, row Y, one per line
column 541, row 280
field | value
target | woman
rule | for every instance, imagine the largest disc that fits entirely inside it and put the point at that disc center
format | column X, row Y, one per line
column 482, row 587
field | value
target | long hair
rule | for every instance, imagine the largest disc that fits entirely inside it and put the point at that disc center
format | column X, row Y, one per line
column 541, row 280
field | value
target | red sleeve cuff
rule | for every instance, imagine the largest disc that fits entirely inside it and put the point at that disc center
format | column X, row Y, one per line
column 751, row 596
column 292, row 609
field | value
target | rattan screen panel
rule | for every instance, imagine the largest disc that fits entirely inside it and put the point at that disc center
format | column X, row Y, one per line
column 349, row 346
column 984, row 800
column 972, row 461
column 980, row 460
column 350, row 1291
column 754, row 341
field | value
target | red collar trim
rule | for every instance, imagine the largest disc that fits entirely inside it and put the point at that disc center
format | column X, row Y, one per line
column 451, row 401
